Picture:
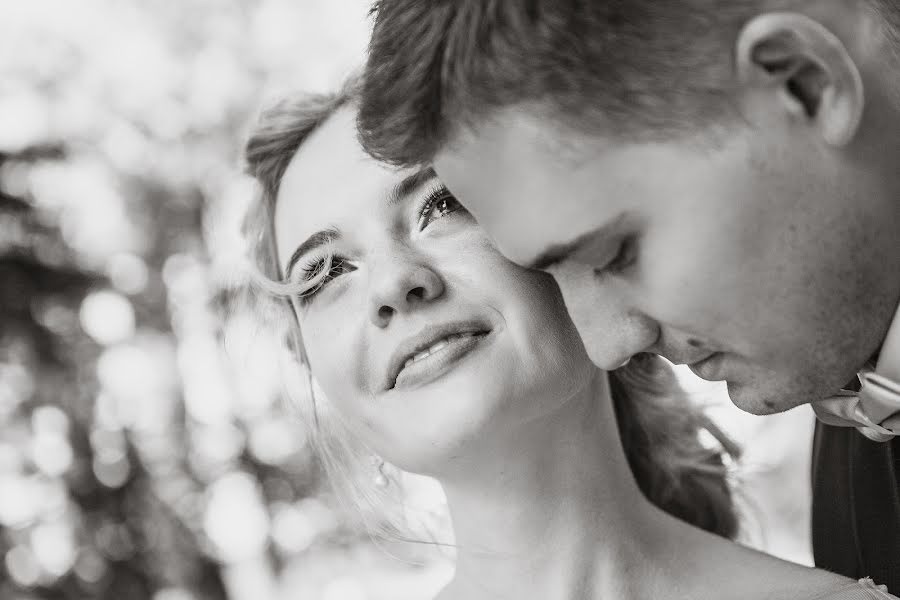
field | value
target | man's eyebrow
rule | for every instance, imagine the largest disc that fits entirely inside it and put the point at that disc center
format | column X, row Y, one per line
column 316, row 240
column 409, row 184
column 558, row 253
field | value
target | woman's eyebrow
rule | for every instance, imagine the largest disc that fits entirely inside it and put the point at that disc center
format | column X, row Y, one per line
column 316, row 240
column 409, row 184
column 328, row 236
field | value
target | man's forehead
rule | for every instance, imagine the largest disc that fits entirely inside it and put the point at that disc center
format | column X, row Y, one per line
column 526, row 198
column 511, row 129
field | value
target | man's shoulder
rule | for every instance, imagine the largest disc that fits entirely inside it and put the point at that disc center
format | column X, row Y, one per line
column 856, row 511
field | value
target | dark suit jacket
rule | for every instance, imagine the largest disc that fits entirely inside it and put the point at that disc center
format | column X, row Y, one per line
column 856, row 505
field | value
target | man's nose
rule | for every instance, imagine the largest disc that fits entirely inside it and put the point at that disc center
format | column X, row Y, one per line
column 612, row 325
column 680, row 347
column 400, row 283
column 626, row 334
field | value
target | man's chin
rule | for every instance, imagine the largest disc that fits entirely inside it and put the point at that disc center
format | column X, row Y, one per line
column 767, row 399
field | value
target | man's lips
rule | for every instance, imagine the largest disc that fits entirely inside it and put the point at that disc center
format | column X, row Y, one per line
column 432, row 339
column 677, row 357
column 709, row 367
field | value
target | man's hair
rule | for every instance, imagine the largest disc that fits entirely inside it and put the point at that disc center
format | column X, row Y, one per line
column 629, row 69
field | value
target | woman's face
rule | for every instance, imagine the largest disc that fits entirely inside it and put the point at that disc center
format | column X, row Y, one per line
column 423, row 336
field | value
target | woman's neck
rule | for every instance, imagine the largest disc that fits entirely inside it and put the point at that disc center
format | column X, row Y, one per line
column 551, row 510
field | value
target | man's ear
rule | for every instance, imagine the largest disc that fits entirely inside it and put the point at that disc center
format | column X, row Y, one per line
column 807, row 67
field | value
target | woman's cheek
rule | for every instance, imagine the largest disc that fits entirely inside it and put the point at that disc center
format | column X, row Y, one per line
column 343, row 397
column 340, row 362
column 324, row 362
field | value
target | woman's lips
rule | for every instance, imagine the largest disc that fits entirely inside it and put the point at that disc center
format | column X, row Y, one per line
column 441, row 357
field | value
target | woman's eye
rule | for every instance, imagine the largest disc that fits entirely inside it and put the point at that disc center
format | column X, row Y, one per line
column 624, row 258
column 438, row 204
column 337, row 266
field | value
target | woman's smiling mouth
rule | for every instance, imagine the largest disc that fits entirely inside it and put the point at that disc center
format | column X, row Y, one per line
column 432, row 353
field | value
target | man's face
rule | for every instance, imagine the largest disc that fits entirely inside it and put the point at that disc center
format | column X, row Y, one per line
column 763, row 261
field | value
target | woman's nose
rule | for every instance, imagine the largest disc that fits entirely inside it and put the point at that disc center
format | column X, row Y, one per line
column 399, row 286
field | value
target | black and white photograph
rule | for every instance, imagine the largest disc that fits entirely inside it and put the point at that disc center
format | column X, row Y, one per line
column 450, row 300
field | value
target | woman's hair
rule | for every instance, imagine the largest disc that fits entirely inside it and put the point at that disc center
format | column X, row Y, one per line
column 661, row 429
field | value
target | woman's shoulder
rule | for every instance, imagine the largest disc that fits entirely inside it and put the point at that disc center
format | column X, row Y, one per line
column 864, row 589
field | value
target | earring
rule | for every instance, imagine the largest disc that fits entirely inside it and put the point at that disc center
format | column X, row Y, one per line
column 380, row 480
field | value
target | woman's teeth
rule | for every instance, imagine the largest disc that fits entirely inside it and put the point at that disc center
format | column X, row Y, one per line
column 438, row 346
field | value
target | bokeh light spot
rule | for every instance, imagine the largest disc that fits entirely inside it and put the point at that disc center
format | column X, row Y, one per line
column 53, row 547
column 108, row 317
column 292, row 529
column 22, row 566
column 173, row 593
column 128, row 273
column 235, row 519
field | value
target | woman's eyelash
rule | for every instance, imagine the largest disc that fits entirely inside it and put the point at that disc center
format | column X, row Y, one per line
column 429, row 200
column 319, row 272
column 336, row 266
column 432, row 200
column 311, row 269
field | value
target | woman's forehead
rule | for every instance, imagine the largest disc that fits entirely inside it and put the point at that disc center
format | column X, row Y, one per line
column 330, row 183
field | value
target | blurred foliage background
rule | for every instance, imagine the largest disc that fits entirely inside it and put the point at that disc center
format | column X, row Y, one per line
column 147, row 446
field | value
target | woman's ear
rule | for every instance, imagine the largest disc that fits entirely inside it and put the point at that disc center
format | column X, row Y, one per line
column 806, row 69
